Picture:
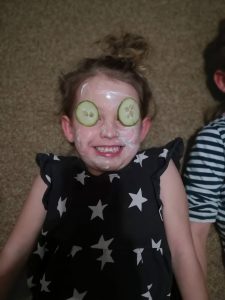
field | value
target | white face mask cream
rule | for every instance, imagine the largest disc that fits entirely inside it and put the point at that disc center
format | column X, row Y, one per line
column 106, row 126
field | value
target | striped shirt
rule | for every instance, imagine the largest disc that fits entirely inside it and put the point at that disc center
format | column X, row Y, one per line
column 204, row 176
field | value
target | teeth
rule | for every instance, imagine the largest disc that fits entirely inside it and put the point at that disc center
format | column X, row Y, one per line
column 108, row 149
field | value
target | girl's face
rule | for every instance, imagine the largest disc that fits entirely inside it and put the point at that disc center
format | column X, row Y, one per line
column 106, row 145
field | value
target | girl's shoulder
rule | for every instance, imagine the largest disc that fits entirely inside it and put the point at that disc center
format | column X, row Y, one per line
column 213, row 131
column 159, row 157
column 51, row 158
column 51, row 164
column 215, row 124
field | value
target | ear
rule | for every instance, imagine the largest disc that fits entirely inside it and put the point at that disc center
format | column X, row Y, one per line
column 67, row 128
column 145, row 126
column 219, row 79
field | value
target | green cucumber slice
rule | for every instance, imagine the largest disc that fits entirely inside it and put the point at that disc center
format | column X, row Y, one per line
column 87, row 113
column 128, row 112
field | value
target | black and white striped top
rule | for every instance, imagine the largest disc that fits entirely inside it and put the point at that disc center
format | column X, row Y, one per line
column 204, row 176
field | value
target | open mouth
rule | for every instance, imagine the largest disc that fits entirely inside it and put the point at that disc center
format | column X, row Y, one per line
column 108, row 150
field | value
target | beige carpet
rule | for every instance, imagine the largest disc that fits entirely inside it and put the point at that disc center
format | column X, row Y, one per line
column 41, row 38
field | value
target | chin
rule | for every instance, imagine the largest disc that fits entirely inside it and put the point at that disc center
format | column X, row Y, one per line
column 114, row 168
column 109, row 165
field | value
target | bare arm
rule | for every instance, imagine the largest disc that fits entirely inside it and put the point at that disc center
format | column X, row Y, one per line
column 22, row 238
column 204, row 180
column 200, row 233
column 186, row 267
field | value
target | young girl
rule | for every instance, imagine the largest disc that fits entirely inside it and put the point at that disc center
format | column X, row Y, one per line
column 205, row 170
column 111, row 223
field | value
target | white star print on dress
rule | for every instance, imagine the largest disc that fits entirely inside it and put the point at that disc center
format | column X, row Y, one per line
column 40, row 250
column 97, row 210
column 105, row 258
column 81, row 177
column 102, row 244
column 139, row 251
column 164, row 153
column 48, row 178
column 77, row 296
column 157, row 246
column 44, row 284
column 44, row 233
column 160, row 213
column 147, row 294
column 137, row 199
column 140, row 157
column 61, row 207
column 30, row 283
column 112, row 176
column 55, row 157
column 74, row 250
column 56, row 249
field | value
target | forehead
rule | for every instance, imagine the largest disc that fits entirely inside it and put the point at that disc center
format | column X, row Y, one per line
column 101, row 86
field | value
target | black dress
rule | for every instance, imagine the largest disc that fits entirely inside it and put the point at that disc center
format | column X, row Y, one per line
column 103, row 237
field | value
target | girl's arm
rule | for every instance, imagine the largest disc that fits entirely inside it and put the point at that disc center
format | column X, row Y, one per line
column 22, row 238
column 186, row 267
column 200, row 232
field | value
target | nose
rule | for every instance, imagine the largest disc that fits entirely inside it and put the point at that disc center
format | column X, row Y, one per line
column 109, row 129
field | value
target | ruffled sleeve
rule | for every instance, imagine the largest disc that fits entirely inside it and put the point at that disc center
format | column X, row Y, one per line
column 173, row 150
column 161, row 157
column 45, row 163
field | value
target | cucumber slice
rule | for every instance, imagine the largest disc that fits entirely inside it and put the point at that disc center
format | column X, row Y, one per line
column 87, row 113
column 128, row 112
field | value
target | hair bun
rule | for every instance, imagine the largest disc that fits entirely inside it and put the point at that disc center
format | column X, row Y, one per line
column 126, row 46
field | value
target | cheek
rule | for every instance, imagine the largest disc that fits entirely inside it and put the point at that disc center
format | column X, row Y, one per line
column 130, row 136
column 82, row 136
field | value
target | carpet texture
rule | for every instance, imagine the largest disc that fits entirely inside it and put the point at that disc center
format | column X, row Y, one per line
column 40, row 39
